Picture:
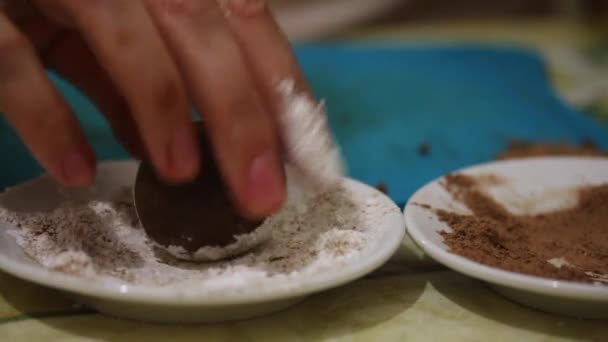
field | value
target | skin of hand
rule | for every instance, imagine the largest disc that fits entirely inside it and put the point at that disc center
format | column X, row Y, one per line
column 145, row 64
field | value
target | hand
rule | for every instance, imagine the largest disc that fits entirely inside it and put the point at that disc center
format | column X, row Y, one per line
column 143, row 62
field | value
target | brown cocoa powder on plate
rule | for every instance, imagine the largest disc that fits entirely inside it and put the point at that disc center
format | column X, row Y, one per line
column 523, row 149
column 567, row 244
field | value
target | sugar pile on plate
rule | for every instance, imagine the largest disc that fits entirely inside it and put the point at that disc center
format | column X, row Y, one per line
column 102, row 240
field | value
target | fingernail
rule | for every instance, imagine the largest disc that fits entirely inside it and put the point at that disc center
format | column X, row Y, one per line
column 185, row 158
column 77, row 171
column 266, row 185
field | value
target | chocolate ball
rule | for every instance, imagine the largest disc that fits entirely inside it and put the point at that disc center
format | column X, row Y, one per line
column 193, row 215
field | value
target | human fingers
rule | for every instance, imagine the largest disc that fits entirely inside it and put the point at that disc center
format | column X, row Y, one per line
column 39, row 114
column 242, row 130
column 129, row 48
column 71, row 58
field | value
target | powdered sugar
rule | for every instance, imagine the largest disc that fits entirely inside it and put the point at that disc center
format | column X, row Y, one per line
column 102, row 239
column 308, row 141
column 242, row 244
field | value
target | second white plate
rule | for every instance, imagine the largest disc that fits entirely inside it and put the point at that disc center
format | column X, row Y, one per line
column 529, row 181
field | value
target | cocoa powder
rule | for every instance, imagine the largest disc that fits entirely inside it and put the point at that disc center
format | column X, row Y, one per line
column 567, row 244
column 522, row 149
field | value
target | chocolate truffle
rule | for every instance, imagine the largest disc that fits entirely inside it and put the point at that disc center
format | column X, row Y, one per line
column 195, row 220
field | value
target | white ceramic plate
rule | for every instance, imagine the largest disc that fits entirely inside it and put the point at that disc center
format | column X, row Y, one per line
column 164, row 304
column 313, row 19
column 533, row 185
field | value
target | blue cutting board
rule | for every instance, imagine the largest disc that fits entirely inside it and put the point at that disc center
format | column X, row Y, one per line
column 464, row 103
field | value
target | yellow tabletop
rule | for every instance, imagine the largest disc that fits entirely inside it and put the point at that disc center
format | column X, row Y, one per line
column 410, row 298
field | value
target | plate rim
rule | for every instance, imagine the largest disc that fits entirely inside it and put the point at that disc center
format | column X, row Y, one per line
column 493, row 275
column 327, row 17
column 115, row 291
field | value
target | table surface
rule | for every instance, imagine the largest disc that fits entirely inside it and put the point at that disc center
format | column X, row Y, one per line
column 410, row 298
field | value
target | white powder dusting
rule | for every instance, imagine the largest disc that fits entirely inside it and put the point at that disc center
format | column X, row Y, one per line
column 559, row 262
column 102, row 240
column 242, row 243
column 597, row 278
column 307, row 138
